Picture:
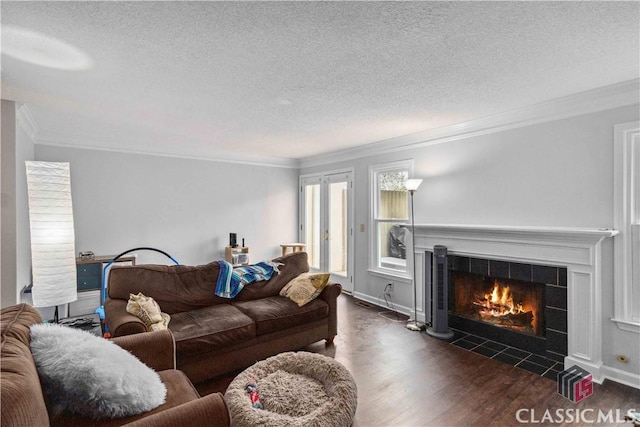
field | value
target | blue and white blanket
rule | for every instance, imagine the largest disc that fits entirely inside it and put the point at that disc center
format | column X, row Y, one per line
column 232, row 280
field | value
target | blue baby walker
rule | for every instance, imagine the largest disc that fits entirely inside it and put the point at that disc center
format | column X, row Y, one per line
column 103, row 293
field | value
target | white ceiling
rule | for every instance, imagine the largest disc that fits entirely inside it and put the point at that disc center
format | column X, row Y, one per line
column 301, row 79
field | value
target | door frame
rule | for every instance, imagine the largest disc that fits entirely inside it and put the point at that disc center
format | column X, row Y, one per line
column 348, row 287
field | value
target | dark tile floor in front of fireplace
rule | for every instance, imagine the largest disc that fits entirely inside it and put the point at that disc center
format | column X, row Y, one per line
column 531, row 362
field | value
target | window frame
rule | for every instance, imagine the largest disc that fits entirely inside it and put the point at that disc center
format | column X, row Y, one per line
column 374, row 250
column 627, row 222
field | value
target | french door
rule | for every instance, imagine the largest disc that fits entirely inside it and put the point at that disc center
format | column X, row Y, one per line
column 326, row 224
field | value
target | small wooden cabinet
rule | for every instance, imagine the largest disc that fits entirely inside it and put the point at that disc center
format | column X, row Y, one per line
column 89, row 275
column 237, row 256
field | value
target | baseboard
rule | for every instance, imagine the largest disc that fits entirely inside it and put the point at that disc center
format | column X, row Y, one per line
column 383, row 304
column 602, row 372
column 620, row 376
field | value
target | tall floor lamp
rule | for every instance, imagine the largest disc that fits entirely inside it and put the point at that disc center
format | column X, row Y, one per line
column 412, row 185
column 53, row 261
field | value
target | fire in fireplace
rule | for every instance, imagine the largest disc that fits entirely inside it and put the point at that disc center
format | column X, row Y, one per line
column 506, row 303
column 530, row 315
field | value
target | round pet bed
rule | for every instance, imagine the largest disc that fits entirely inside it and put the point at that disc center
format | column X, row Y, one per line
column 295, row 390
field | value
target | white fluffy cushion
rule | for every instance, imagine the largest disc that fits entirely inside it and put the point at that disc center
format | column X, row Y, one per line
column 91, row 376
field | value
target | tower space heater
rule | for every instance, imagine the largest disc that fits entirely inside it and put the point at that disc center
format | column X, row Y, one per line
column 439, row 295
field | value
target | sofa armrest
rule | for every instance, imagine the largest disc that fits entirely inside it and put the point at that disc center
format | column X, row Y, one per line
column 119, row 321
column 330, row 294
column 155, row 349
column 210, row 410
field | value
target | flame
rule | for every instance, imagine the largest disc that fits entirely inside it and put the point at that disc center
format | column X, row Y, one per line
column 500, row 302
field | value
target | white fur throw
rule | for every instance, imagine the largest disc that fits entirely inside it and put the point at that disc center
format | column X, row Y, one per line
column 91, row 376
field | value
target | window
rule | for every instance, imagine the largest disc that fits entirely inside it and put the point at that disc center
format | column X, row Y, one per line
column 389, row 209
column 627, row 222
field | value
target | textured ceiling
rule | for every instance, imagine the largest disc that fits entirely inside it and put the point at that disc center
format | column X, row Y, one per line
column 298, row 79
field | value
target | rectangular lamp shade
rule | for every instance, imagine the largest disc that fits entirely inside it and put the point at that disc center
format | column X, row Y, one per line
column 52, row 235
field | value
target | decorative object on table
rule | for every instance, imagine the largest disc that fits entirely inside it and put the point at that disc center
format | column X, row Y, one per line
column 237, row 256
column 91, row 376
column 147, row 309
column 233, row 240
column 305, row 288
column 53, row 260
column 296, row 389
column 100, row 310
column 412, row 186
column 86, row 256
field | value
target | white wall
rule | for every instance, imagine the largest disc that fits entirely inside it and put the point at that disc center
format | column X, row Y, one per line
column 182, row 206
column 8, row 293
column 24, row 151
column 17, row 147
column 558, row 173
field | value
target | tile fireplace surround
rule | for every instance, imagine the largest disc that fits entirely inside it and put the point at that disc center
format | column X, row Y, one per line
column 585, row 253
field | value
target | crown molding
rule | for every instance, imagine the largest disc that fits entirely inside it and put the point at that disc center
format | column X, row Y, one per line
column 221, row 156
column 26, row 122
column 593, row 101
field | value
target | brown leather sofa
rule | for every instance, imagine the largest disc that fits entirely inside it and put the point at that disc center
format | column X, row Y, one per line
column 24, row 404
column 217, row 335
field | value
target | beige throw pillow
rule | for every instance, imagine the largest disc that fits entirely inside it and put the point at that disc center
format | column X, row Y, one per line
column 305, row 287
column 148, row 310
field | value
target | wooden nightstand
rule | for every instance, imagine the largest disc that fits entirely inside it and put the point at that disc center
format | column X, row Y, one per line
column 90, row 282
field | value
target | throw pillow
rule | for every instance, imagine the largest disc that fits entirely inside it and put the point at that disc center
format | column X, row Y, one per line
column 91, row 376
column 148, row 310
column 305, row 287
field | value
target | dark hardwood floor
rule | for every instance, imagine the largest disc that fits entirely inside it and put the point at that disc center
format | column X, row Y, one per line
column 407, row 378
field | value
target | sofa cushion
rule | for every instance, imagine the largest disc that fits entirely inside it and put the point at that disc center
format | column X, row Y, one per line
column 306, row 287
column 175, row 288
column 21, row 393
column 277, row 313
column 208, row 328
column 292, row 266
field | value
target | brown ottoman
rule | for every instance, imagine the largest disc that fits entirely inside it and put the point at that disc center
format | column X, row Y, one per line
column 295, row 390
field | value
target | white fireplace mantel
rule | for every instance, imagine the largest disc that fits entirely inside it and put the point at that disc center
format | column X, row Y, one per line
column 580, row 250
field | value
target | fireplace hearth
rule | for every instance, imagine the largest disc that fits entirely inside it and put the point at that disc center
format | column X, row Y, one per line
column 519, row 305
